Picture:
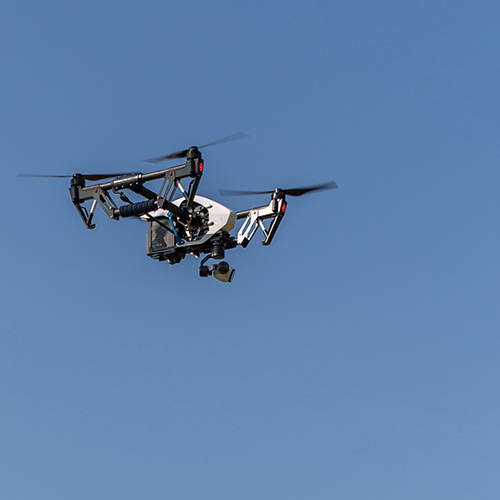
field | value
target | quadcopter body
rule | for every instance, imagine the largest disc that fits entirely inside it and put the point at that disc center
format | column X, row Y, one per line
column 188, row 224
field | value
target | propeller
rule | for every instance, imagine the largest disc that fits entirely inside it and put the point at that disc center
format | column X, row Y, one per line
column 290, row 192
column 184, row 152
column 88, row 177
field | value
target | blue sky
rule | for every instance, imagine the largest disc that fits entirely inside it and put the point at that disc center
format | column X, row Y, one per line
column 357, row 356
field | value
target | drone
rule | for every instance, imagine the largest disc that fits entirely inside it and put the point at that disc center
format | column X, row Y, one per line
column 189, row 223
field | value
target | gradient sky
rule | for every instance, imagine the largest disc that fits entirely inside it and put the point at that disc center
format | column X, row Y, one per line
column 354, row 358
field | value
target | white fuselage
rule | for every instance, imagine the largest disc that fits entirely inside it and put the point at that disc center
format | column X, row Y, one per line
column 221, row 218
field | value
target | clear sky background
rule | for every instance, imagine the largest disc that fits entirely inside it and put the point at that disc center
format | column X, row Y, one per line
column 356, row 357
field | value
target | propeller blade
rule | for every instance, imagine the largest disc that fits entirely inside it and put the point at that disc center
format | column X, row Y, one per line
column 289, row 192
column 184, row 152
column 233, row 137
column 304, row 190
column 236, row 192
column 88, row 177
column 41, row 175
column 178, row 154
